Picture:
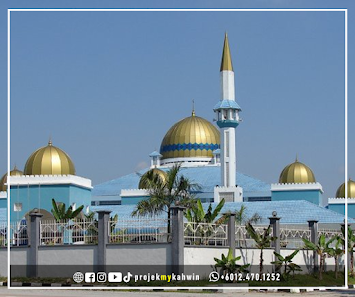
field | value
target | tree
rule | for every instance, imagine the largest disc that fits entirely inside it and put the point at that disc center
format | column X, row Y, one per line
column 60, row 212
column 262, row 240
column 335, row 252
column 289, row 266
column 228, row 264
column 320, row 248
column 175, row 189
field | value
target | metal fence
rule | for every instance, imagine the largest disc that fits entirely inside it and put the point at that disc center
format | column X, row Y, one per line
column 139, row 230
column 68, row 232
column 18, row 233
column 205, row 234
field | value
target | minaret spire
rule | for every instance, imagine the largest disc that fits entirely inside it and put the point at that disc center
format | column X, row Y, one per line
column 226, row 63
column 227, row 114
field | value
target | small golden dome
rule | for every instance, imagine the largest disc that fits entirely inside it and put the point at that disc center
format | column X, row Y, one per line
column 296, row 173
column 49, row 160
column 351, row 190
column 3, row 180
column 143, row 184
column 191, row 137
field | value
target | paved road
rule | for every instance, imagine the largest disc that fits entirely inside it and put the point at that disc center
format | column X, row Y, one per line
column 90, row 293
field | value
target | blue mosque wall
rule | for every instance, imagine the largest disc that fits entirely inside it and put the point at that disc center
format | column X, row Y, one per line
column 313, row 196
column 36, row 196
column 340, row 208
column 132, row 200
column 3, row 203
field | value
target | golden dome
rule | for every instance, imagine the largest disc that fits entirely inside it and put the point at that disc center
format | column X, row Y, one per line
column 296, row 173
column 351, row 190
column 3, row 180
column 49, row 160
column 190, row 137
column 143, row 184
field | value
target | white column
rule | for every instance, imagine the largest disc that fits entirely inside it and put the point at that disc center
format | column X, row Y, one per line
column 228, row 155
column 227, row 85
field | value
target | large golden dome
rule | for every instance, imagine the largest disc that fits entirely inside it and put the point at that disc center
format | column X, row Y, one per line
column 190, row 137
column 49, row 160
column 144, row 184
column 296, row 173
column 3, row 180
column 351, row 190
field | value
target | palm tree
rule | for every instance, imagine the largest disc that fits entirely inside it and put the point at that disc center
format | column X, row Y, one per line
column 321, row 249
column 174, row 189
column 262, row 241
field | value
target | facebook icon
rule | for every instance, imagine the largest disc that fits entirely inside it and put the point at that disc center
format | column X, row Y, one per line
column 89, row 277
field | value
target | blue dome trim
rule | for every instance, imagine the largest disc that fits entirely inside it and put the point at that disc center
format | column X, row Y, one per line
column 189, row 146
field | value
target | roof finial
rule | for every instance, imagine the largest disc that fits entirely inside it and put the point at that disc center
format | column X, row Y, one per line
column 193, row 108
column 50, row 140
column 226, row 63
column 15, row 167
column 296, row 157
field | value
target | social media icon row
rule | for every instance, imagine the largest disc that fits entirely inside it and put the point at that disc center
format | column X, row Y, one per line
column 101, row 277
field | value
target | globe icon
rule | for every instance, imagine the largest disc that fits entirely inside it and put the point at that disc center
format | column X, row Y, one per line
column 78, row 277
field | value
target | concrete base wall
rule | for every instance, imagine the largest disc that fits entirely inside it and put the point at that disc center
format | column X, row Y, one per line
column 146, row 254
column 3, row 262
column 142, row 254
column 67, row 255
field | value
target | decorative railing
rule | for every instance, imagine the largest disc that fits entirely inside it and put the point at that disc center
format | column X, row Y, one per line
column 18, row 233
column 205, row 234
column 292, row 238
column 139, row 230
column 68, row 232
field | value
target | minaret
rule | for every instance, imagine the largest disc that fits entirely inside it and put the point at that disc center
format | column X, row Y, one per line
column 227, row 114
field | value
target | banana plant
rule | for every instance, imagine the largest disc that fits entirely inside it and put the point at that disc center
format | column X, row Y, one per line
column 262, row 241
column 228, row 264
column 335, row 252
column 197, row 214
column 60, row 212
column 289, row 266
column 350, row 247
column 321, row 249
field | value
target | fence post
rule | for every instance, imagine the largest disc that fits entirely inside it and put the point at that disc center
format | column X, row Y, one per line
column 231, row 231
column 177, row 232
column 313, row 227
column 275, row 224
column 35, row 232
column 103, row 235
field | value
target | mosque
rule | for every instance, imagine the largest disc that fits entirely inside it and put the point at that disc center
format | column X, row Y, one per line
column 207, row 156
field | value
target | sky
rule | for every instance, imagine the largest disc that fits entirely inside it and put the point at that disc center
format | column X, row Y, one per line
column 107, row 86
